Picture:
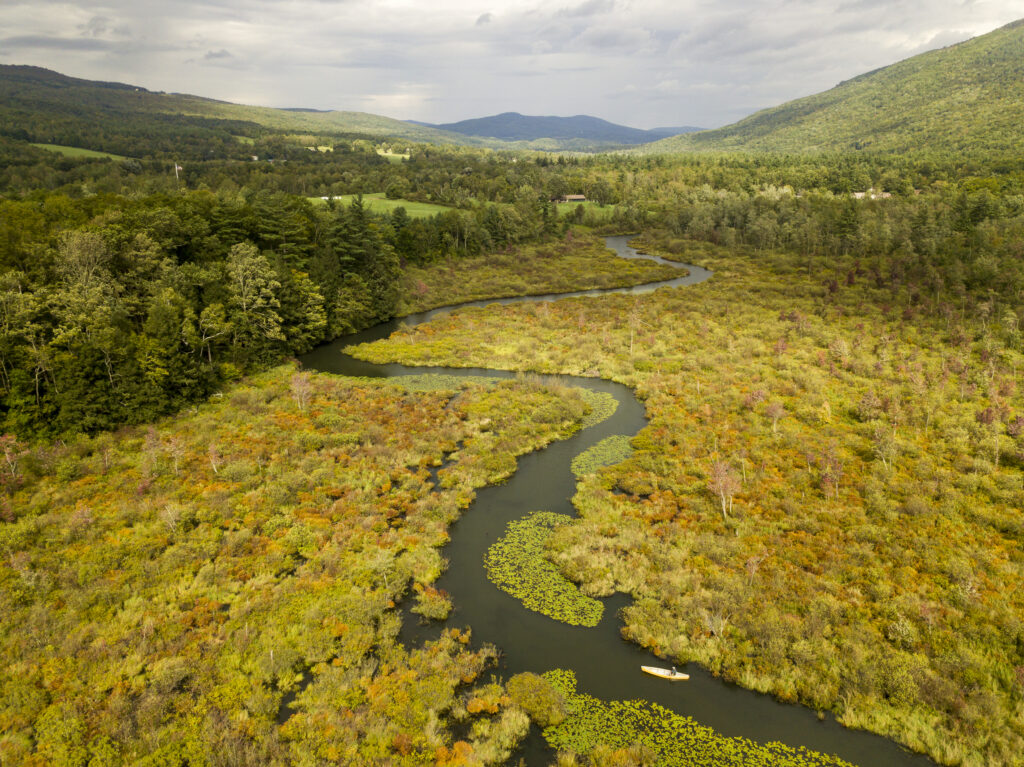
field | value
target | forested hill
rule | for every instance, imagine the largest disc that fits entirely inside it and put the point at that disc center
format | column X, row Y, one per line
column 512, row 126
column 47, row 107
column 968, row 97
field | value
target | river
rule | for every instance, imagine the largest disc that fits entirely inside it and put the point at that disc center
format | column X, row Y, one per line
column 605, row 665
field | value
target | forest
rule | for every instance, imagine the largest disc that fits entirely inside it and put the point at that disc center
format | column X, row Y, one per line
column 825, row 505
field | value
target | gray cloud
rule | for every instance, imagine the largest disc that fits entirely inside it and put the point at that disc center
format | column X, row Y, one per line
column 58, row 43
column 96, row 26
column 588, row 8
column 641, row 62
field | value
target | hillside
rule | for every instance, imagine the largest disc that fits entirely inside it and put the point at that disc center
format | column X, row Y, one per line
column 512, row 126
column 43, row 106
column 967, row 97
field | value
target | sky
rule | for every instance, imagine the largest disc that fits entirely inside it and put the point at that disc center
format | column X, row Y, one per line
column 644, row 63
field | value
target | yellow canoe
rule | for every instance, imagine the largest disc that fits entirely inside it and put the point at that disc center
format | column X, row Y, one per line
column 665, row 673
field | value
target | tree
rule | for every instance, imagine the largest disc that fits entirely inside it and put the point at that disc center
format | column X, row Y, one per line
column 725, row 484
column 252, row 285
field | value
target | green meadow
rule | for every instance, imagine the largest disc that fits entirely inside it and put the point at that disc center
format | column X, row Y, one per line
column 379, row 203
column 74, row 151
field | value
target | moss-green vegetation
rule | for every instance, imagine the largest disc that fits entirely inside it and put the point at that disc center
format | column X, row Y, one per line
column 639, row 732
column 74, row 151
column 578, row 262
column 516, row 564
column 606, row 452
column 825, row 504
column 171, row 594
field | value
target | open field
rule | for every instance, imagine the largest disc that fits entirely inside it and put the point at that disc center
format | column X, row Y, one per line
column 74, row 151
column 379, row 203
column 394, row 157
column 589, row 207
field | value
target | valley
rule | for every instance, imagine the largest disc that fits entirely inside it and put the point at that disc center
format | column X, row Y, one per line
column 331, row 438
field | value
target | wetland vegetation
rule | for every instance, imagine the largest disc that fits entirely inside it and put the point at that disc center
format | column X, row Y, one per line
column 205, row 557
column 222, row 586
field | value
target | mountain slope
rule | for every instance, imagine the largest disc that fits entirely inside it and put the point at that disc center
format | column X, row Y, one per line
column 512, row 126
column 49, row 107
column 967, row 97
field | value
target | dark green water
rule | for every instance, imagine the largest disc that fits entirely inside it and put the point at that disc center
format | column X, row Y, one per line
column 605, row 665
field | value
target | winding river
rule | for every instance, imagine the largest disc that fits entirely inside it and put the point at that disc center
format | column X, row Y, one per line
column 605, row 665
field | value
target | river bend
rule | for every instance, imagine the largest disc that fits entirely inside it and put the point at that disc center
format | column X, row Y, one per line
column 605, row 665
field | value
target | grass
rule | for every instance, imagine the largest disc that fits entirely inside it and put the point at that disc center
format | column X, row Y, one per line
column 379, row 203
column 396, row 158
column 74, row 151
column 589, row 207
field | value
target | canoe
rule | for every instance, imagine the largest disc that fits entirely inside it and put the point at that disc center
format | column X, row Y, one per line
column 665, row 673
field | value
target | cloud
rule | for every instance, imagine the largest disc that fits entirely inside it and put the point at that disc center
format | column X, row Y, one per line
column 643, row 62
column 97, row 26
column 588, row 8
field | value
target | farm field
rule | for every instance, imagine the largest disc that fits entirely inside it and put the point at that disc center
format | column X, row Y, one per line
column 378, row 202
column 74, row 151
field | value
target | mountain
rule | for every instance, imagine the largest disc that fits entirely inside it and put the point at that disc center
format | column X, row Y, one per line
column 967, row 97
column 512, row 126
column 47, row 107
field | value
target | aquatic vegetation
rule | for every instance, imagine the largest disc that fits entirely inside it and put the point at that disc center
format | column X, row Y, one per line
column 606, row 452
column 602, row 407
column 516, row 564
column 673, row 740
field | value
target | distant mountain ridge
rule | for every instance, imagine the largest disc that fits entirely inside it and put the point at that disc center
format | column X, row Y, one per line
column 513, row 126
column 50, row 107
column 962, row 98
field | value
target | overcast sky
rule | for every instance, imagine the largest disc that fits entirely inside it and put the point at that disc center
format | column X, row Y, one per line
column 646, row 63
